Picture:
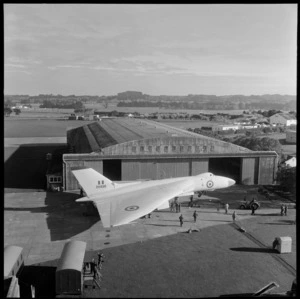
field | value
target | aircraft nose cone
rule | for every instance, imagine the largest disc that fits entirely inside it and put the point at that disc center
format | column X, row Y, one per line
column 231, row 182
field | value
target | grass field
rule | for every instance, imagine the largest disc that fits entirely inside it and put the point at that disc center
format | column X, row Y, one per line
column 14, row 128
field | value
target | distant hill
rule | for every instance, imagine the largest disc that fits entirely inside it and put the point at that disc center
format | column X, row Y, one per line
column 211, row 102
column 191, row 101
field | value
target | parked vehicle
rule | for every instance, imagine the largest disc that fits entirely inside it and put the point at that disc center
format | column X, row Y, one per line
column 249, row 204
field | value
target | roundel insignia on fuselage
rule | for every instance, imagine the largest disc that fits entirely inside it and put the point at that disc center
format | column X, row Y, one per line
column 132, row 208
column 209, row 184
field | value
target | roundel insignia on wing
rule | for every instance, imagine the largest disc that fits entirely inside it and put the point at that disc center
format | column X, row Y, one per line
column 209, row 184
column 131, row 208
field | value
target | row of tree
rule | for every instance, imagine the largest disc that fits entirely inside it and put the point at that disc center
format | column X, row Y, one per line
column 8, row 111
column 62, row 104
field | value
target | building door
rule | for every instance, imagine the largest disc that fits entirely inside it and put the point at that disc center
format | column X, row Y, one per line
column 229, row 167
column 112, row 169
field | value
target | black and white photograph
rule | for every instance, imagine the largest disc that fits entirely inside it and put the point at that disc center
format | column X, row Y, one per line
column 150, row 150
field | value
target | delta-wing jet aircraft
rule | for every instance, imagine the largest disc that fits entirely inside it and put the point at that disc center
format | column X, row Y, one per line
column 121, row 203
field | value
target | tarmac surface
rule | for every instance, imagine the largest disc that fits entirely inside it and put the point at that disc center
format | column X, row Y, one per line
column 155, row 257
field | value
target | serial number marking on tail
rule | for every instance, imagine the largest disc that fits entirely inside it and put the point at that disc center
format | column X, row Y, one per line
column 101, row 186
column 132, row 208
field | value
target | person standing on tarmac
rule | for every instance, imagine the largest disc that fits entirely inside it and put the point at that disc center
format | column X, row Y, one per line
column 233, row 216
column 195, row 216
column 253, row 210
column 100, row 259
column 226, row 208
column 282, row 210
column 93, row 268
column 181, row 220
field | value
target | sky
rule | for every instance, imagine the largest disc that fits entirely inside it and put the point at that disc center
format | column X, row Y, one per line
column 170, row 49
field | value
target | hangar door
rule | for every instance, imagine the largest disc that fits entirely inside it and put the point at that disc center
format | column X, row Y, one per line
column 172, row 168
column 199, row 166
column 153, row 169
column 229, row 167
column 249, row 171
column 112, row 169
column 266, row 170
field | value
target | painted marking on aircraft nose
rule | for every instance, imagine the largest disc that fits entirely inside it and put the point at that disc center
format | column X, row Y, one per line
column 209, row 184
column 132, row 208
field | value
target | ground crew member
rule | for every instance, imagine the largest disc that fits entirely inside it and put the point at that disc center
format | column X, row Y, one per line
column 195, row 216
column 81, row 192
column 226, row 208
column 181, row 219
column 282, row 210
column 253, row 210
column 233, row 216
column 100, row 259
column 285, row 210
column 93, row 268
column 191, row 201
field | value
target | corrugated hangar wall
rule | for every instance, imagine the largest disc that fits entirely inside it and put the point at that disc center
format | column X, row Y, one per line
column 253, row 170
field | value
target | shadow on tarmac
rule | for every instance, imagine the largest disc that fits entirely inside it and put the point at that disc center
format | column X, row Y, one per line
column 251, row 249
column 41, row 277
column 65, row 217
column 272, row 214
column 282, row 222
column 25, row 166
column 162, row 224
column 217, row 220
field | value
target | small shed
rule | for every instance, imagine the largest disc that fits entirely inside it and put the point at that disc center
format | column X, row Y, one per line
column 69, row 275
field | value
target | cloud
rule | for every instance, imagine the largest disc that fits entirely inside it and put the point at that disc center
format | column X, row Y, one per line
column 18, row 71
column 14, row 65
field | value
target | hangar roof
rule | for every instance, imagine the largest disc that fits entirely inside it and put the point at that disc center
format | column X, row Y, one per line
column 139, row 136
column 113, row 131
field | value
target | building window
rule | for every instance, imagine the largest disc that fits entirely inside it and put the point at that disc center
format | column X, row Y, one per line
column 173, row 148
column 204, row 148
column 51, row 179
column 212, row 148
column 166, row 148
column 181, row 148
column 197, row 149
column 189, row 149
column 158, row 148
column 142, row 149
column 150, row 148
column 134, row 149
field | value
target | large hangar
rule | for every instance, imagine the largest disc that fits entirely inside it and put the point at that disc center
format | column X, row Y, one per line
column 130, row 149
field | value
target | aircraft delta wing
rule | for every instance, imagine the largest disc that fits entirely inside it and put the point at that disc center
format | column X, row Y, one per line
column 122, row 203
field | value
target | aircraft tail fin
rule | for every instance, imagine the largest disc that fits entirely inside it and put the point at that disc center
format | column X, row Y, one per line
column 92, row 181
